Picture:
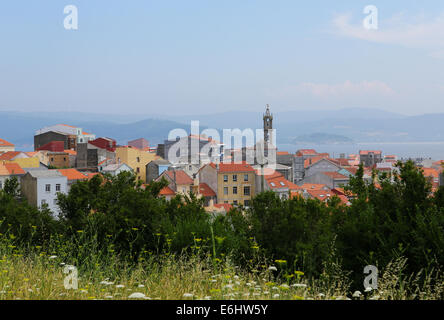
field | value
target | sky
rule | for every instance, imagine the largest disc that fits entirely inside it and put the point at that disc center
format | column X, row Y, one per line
column 206, row 56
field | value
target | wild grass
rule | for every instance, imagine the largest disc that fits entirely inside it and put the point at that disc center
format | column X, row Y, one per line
column 41, row 275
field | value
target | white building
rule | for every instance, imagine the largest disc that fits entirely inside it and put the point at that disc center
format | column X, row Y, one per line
column 115, row 169
column 82, row 137
column 41, row 187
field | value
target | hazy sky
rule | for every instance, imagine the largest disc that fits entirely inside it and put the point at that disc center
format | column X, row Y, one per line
column 203, row 56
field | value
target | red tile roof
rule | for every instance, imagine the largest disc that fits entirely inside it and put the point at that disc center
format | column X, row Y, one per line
column 282, row 153
column 352, row 170
column 73, row 174
column 4, row 143
column 430, row 172
column 206, row 191
column 235, row 167
column 277, row 181
column 181, row 177
column 71, row 152
column 322, row 195
column 364, row 152
column 306, row 152
column 335, row 175
column 226, row 206
column 340, row 161
column 167, row 191
column 9, row 155
column 7, row 169
column 313, row 186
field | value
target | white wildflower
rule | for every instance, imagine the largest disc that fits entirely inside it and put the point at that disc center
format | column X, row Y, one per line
column 120, row 286
column 137, row 295
column 299, row 285
column 368, row 289
column 272, row 268
column 275, row 296
column 52, row 257
column 187, row 295
column 356, row 294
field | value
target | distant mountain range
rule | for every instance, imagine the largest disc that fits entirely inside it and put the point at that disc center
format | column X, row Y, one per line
column 359, row 125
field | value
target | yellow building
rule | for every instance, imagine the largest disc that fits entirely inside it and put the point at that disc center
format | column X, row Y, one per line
column 235, row 183
column 21, row 158
column 135, row 158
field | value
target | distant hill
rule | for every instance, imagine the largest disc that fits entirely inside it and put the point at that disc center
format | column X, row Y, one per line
column 20, row 128
column 322, row 138
column 359, row 125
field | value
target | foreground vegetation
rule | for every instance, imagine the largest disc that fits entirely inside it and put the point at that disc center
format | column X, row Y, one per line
column 126, row 242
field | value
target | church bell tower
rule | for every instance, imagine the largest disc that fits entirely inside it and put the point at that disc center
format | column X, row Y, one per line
column 268, row 126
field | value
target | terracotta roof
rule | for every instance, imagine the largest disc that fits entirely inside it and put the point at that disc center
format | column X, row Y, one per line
column 4, row 143
column 71, row 152
column 352, row 170
column 181, row 177
column 90, row 175
column 9, row 155
column 10, row 168
column 313, row 186
column 341, row 161
column 307, row 151
column 282, row 153
column 167, row 191
column 73, row 174
column 226, row 206
column 235, row 167
column 335, row 175
column 364, row 152
column 277, row 181
column 430, row 172
column 31, row 153
column 322, row 195
column 206, row 191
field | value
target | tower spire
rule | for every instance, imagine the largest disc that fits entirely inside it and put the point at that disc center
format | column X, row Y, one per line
column 268, row 124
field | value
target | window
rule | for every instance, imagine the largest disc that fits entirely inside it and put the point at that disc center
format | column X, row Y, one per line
column 234, row 177
column 246, row 177
column 234, row 190
column 52, row 159
column 247, row 203
column 225, row 178
column 225, row 201
column 138, row 170
column 1, row 184
column 48, row 188
column 235, row 202
column 58, row 187
column 55, row 201
column 225, row 190
column 43, row 202
column 246, row 191
column 138, row 159
column 64, row 159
